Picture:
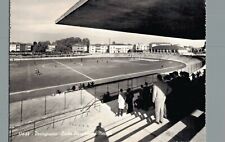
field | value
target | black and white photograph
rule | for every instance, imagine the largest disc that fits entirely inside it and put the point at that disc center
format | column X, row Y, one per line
column 107, row 71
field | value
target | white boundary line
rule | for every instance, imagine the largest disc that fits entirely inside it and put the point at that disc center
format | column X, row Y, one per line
column 74, row 70
column 50, row 87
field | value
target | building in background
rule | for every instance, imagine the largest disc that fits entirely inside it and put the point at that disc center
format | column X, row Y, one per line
column 28, row 47
column 79, row 48
column 99, row 48
column 120, row 48
column 20, row 47
column 169, row 49
column 141, row 47
column 12, row 47
column 51, row 48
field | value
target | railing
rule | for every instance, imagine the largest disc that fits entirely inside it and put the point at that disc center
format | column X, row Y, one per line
column 24, row 129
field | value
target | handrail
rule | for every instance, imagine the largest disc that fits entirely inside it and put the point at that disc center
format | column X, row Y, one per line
column 46, row 124
column 48, row 117
column 87, row 104
column 91, row 105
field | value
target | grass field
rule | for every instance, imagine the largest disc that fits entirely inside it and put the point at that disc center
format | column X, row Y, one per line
column 63, row 73
column 57, row 72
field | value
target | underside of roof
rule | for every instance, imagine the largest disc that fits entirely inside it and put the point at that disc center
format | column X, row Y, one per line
column 170, row 18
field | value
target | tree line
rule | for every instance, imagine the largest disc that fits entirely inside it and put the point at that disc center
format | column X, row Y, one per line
column 62, row 45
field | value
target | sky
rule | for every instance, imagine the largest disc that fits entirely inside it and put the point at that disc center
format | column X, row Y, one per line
column 34, row 20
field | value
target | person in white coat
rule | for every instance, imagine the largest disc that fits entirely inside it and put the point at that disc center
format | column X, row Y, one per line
column 121, row 102
column 160, row 90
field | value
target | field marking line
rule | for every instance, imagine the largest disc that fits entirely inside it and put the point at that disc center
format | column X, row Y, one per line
column 50, row 87
column 74, row 70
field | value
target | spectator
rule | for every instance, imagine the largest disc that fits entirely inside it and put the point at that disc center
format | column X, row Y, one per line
column 92, row 84
column 138, row 103
column 88, row 85
column 121, row 102
column 129, row 100
column 80, row 86
column 146, row 97
column 160, row 90
column 106, row 97
column 83, row 86
column 141, row 94
column 73, row 88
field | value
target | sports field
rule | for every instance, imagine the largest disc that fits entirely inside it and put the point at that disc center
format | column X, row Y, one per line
column 23, row 76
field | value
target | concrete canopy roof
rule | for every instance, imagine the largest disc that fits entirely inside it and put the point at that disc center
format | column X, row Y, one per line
column 171, row 18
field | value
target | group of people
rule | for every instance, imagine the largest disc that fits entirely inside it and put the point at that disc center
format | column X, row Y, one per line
column 102, row 60
column 125, row 100
column 83, row 86
column 174, row 95
column 149, row 96
column 188, row 93
column 145, row 94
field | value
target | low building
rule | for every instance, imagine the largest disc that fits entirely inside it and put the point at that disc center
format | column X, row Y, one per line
column 28, row 47
column 79, row 48
column 160, row 44
column 141, row 47
column 12, row 47
column 22, row 47
column 120, row 48
column 50, row 48
column 98, row 48
column 169, row 49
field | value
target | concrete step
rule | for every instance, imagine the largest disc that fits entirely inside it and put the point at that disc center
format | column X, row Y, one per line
column 118, row 122
column 147, row 131
column 117, row 125
column 125, row 129
column 170, row 133
column 185, row 129
column 200, row 137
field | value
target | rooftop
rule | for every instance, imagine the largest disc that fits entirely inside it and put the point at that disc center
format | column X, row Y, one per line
column 172, row 47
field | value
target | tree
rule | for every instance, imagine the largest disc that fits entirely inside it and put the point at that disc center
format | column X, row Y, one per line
column 42, row 46
column 134, row 48
column 86, row 42
column 34, row 46
column 65, row 45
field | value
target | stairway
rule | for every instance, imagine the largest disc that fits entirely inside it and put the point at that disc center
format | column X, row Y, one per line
column 139, row 126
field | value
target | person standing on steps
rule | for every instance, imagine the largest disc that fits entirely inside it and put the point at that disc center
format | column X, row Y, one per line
column 160, row 90
column 129, row 100
column 121, row 102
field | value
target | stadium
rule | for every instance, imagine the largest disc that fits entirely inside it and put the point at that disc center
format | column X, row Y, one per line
column 74, row 97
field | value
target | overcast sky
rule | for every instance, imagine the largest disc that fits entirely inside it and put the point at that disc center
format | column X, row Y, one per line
column 34, row 20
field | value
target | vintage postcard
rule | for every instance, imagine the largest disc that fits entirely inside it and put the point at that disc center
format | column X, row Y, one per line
column 107, row 70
